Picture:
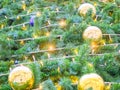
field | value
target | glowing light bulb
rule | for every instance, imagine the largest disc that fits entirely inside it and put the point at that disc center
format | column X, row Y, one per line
column 90, row 65
column 62, row 23
column 76, row 51
column 8, row 38
column 23, row 5
column 40, row 87
column 49, row 22
column 51, row 48
column 2, row 26
column 95, row 4
column 48, row 34
column 41, row 63
column 103, row 42
column 22, row 42
column 24, row 27
column 57, row 9
column 110, row 39
column 18, row 17
column 58, row 69
column 38, row 14
column 28, row 11
column 73, row 59
column 48, row 55
column 94, row 47
column 35, row 36
column 6, row 17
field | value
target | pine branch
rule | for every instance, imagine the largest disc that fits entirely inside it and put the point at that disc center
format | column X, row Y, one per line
column 19, row 16
column 63, row 48
column 112, row 34
column 33, row 13
column 41, row 51
column 64, row 57
column 6, row 74
column 30, row 39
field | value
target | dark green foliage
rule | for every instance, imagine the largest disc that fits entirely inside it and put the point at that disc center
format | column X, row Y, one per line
column 21, row 45
column 35, row 67
column 66, row 84
column 47, row 85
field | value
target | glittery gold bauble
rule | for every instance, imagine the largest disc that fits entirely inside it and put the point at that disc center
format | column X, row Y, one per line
column 84, row 8
column 92, row 33
column 91, row 82
column 21, row 78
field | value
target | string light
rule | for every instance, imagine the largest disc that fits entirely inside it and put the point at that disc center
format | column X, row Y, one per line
column 28, row 11
column 73, row 59
column 6, row 17
column 18, row 17
column 49, row 22
column 38, row 14
column 10, row 68
column 76, row 51
column 57, row 9
column 24, row 27
column 110, row 39
column 62, row 23
column 90, row 64
column 40, row 87
column 58, row 69
column 47, row 34
column 95, row 4
column 48, row 55
column 51, row 47
column 41, row 63
column 35, row 35
column 2, row 25
column 94, row 47
column 23, row 5
column 22, row 42
column 95, row 19
column 8, row 39
column 103, row 42
column 33, row 58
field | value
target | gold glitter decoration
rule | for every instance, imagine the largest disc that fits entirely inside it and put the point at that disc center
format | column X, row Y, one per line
column 84, row 8
column 91, row 82
column 92, row 33
column 21, row 78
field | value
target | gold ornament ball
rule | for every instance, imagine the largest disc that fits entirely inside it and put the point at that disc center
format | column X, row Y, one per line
column 84, row 8
column 21, row 78
column 92, row 33
column 91, row 81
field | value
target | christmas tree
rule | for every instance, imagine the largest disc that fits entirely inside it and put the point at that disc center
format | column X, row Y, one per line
column 59, row 44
